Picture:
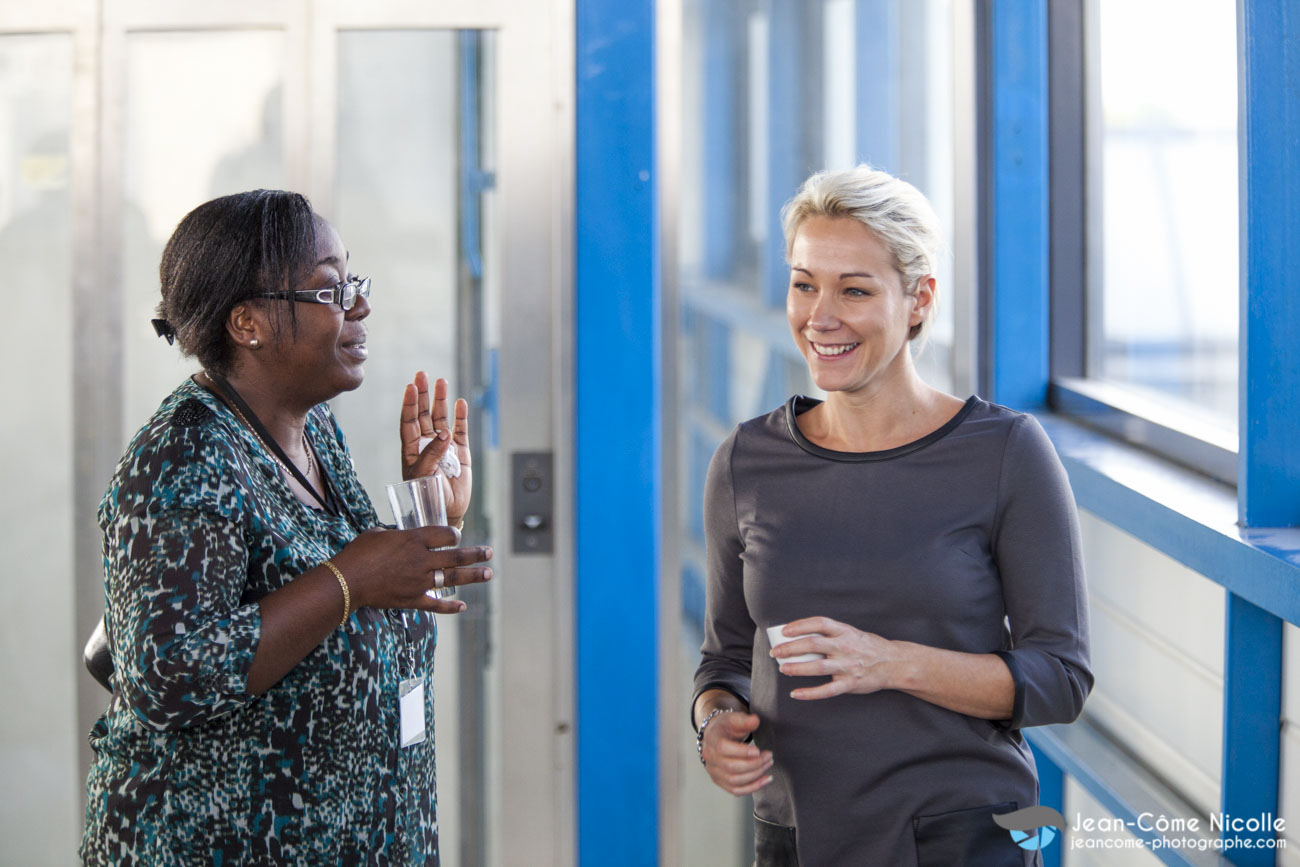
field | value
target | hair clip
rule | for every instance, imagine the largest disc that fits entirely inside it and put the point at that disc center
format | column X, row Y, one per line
column 164, row 329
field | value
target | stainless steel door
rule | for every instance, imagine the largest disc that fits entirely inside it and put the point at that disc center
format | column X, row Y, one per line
column 437, row 136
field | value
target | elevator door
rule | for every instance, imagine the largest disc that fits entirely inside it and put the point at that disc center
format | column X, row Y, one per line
column 436, row 139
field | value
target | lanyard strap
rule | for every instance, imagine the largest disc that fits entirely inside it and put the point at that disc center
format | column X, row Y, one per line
column 245, row 412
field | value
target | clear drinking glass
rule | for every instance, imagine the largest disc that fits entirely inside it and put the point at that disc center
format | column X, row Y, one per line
column 420, row 503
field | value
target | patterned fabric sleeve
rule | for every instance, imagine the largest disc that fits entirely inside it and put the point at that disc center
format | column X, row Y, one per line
column 178, row 565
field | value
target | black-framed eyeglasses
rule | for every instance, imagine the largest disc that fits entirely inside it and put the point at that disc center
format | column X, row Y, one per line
column 343, row 294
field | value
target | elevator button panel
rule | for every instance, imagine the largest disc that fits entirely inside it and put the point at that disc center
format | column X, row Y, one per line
column 532, row 503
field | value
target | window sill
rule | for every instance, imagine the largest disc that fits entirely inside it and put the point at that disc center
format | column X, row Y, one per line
column 1188, row 516
column 1148, row 421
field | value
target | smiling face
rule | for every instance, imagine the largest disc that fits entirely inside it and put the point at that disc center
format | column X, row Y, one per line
column 326, row 355
column 846, row 306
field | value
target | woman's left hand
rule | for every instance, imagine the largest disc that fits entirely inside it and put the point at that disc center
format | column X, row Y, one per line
column 857, row 662
column 422, row 419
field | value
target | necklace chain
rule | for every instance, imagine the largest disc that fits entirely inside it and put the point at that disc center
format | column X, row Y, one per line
column 311, row 459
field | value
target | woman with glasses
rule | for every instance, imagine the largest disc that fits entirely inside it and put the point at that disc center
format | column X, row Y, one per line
column 895, row 586
column 272, row 645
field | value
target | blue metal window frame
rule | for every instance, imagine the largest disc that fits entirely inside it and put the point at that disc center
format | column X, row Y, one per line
column 616, row 423
column 1018, row 217
column 1110, row 407
column 1254, row 553
column 1268, row 73
column 616, row 430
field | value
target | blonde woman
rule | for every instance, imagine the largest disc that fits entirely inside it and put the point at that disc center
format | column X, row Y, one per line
column 925, row 547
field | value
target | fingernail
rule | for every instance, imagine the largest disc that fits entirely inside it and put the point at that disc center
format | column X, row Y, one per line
column 443, row 434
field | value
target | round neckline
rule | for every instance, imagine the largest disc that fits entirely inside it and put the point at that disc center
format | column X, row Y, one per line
column 799, row 404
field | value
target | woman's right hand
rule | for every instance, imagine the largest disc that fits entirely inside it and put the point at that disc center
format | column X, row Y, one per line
column 394, row 568
column 733, row 765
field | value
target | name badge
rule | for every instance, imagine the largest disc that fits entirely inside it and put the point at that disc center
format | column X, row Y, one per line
column 411, row 694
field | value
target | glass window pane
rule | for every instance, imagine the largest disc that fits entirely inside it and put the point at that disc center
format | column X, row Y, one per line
column 37, row 810
column 202, row 119
column 750, row 116
column 1163, row 280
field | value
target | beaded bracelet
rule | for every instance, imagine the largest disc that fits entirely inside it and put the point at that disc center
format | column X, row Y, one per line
column 699, row 734
column 347, row 596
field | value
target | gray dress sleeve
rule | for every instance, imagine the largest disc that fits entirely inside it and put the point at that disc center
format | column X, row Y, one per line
column 727, row 652
column 1037, row 547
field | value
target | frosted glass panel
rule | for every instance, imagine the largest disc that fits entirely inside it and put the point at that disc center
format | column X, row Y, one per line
column 203, row 117
column 38, row 799
column 406, row 103
column 396, row 210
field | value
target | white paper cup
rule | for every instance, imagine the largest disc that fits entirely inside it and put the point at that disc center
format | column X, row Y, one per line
column 774, row 637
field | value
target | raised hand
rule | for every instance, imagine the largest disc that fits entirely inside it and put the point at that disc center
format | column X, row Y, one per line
column 422, row 419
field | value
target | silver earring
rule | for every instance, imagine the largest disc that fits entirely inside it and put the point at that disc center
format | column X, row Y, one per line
column 254, row 343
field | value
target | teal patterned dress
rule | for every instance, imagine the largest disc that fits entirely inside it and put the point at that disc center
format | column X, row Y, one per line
column 189, row 768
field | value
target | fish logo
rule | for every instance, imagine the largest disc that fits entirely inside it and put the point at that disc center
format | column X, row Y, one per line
column 1033, row 827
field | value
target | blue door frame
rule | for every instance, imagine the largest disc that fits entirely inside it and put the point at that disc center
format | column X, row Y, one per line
column 616, row 429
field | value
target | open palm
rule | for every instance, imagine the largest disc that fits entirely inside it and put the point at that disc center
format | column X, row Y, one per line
column 427, row 420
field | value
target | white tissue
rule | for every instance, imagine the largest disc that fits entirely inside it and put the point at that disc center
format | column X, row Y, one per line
column 448, row 463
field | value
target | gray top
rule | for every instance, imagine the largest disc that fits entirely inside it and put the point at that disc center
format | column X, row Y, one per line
column 966, row 539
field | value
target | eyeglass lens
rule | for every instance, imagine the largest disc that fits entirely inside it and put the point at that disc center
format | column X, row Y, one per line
column 350, row 291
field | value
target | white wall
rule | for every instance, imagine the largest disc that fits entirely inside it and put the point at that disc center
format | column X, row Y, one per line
column 1078, row 802
column 1289, row 799
column 1157, row 651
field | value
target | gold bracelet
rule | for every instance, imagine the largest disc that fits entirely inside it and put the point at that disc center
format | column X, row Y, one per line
column 347, row 597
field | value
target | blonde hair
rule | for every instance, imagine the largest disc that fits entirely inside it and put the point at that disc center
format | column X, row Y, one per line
column 895, row 211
